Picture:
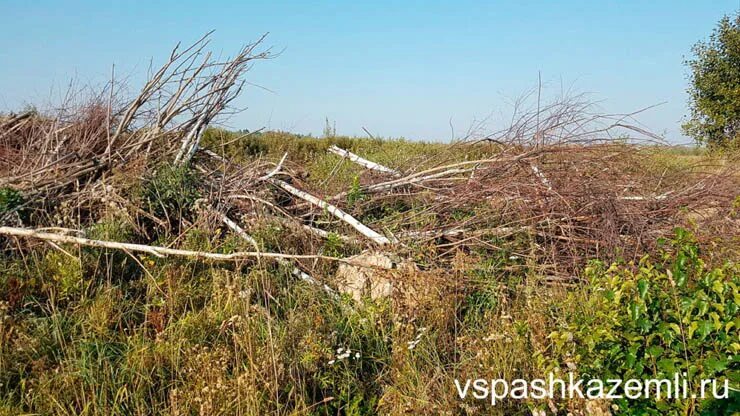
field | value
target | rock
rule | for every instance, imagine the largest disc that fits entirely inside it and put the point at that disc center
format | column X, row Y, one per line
column 363, row 281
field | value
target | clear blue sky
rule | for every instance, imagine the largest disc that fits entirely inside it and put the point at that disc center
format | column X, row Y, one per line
column 398, row 68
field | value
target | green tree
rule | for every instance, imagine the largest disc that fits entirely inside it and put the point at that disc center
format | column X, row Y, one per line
column 715, row 87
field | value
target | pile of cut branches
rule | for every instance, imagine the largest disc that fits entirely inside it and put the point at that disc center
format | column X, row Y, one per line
column 555, row 188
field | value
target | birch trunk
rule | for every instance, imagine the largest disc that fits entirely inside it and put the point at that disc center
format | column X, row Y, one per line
column 368, row 164
column 352, row 221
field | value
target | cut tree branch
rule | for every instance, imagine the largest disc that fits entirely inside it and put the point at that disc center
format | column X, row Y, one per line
column 349, row 219
column 362, row 162
column 159, row 251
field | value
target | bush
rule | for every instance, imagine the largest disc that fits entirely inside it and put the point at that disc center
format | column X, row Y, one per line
column 670, row 316
column 9, row 199
column 171, row 194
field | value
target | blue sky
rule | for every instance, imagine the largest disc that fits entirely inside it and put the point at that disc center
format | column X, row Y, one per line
column 398, row 68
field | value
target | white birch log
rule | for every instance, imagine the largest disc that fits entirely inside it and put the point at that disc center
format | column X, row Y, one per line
column 215, row 156
column 541, row 176
column 307, row 277
column 368, row 164
column 191, row 140
column 498, row 231
column 645, row 198
column 349, row 219
column 240, row 231
column 288, row 219
column 159, row 251
column 276, row 170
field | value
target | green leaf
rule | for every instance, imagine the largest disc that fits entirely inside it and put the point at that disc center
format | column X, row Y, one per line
column 692, row 328
column 680, row 278
column 705, row 328
column 666, row 366
column 655, row 351
column 717, row 325
column 718, row 287
column 702, row 307
column 631, row 356
column 644, row 324
column 634, row 308
column 642, row 288
column 715, row 364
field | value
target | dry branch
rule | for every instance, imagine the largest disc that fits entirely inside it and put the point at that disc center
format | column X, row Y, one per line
column 159, row 251
column 295, row 271
column 276, row 170
column 362, row 161
column 349, row 219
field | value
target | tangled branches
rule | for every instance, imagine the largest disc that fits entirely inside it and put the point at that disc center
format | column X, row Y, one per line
column 44, row 154
column 558, row 186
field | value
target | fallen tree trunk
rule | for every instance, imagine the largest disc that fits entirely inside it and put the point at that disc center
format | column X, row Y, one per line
column 368, row 164
column 349, row 219
column 159, row 251
column 436, row 173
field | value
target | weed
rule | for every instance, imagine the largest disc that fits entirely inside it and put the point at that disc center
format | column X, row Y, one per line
column 171, row 194
column 9, row 199
column 355, row 193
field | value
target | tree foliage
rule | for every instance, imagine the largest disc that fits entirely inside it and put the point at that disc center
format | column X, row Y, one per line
column 715, row 86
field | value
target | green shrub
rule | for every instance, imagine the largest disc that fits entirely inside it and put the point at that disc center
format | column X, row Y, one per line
column 9, row 199
column 333, row 246
column 355, row 193
column 663, row 317
column 171, row 193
